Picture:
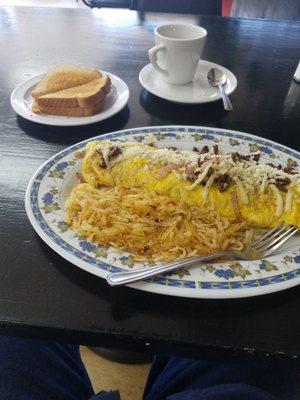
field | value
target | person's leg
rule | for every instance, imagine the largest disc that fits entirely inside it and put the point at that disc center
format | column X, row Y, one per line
column 186, row 379
column 40, row 370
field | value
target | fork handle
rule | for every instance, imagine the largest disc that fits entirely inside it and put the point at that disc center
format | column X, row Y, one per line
column 122, row 278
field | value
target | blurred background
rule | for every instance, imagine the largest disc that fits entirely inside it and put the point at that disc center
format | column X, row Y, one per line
column 264, row 9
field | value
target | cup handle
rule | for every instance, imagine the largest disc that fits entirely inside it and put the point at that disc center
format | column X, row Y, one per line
column 153, row 58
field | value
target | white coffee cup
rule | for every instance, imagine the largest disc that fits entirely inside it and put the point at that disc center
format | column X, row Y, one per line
column 177, row 52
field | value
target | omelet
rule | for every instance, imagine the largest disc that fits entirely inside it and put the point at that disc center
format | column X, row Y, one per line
column 235, row 185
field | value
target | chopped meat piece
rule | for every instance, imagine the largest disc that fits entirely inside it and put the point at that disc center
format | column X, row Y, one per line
column 279, row 167
column 172, row 148
column 209, row 172
column 208, row 175
column 238, row 157
column 190, row 172
column 281, row 183
column 204, row 150
column 164, row 171
column 223, row 182
column 102, row 161
column 216, row 149
column 200, row 163
column 289, row 170
column 114, row 151
column 195, row 149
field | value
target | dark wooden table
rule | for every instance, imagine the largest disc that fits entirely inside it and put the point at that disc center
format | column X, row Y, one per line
column 43, row 295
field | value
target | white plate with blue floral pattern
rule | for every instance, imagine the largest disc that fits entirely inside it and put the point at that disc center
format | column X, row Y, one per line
column 51, row 184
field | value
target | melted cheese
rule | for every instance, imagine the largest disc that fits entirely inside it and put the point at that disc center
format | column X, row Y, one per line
column 207, row 187
column 278, row 199
column 288, row 201
column 200, row 177
column 251, row 177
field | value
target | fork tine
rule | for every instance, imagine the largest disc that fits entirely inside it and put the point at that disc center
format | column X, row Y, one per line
column 277, row 239
column 267, row 234
column 271, row 250
column 271, row 238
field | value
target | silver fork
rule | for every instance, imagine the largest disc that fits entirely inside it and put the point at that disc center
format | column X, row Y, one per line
column 271, row 241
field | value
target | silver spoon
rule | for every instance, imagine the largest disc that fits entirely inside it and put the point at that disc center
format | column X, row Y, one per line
column 217, row 78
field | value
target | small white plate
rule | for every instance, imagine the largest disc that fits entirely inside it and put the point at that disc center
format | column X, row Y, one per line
column 21, row 101
column 196, row 92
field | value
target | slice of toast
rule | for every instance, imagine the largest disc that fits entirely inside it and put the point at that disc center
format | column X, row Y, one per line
column 63, row 77
column 69, row 111
column 79, row 96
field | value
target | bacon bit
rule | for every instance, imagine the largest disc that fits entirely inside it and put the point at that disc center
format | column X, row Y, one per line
column 223, row 182
column 210, row 172
column 102, row 161
column 235, row 205
column 279, row 167
column 281, row 183
column 114, row 151
column 208, row 175
column 80, row 177
column 290, row 170
column 164, row 171
column 190, row 172
column 172, row 148
column 238, row 157
column 216, row 149
column 79, row 154
column 200, row 163
column 204, row 150
column 195, row 149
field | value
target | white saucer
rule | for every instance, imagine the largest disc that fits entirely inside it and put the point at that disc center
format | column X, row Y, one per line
column 21, row 101
column 198, row 91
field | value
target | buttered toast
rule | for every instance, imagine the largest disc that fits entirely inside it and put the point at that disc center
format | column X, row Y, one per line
column 78, row 96
column 69, row 111
column 63, row 77
column 77, row 100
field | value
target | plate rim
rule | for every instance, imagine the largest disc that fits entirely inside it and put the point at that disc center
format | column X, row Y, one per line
column 80, row 121
column 149, row 286
column 219, row 97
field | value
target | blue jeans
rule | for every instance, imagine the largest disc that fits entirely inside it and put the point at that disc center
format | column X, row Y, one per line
column 40, row 370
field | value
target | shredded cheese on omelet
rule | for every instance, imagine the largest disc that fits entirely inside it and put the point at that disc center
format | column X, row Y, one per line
column 201, row 176
column 242, row 192
column 263, row 184
column 278, row 199
column 250, row 172
column 208, row 186
column 288, row 201
column 251, row 178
